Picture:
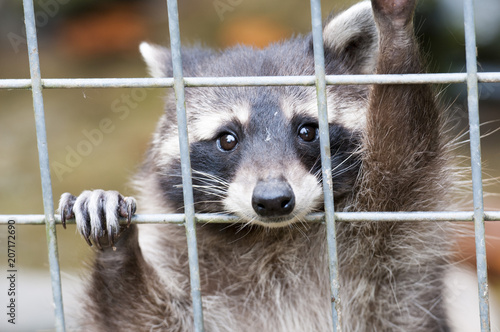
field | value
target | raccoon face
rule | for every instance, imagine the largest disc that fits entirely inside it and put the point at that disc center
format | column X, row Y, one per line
column 255, row 151
column 256, row 159
column 277, row 178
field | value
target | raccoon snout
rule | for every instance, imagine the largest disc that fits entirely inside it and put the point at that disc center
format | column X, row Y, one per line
column 273, row 198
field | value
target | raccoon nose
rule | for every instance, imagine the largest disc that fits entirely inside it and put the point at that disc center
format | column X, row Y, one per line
column 273, row 198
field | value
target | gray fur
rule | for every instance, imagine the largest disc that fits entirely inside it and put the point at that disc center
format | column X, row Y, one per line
column 273, row 276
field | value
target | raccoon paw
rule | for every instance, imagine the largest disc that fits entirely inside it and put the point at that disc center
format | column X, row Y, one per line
column 96, row 214
column 394, row 12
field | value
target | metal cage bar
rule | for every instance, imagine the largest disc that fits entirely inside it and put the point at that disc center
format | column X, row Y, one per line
column 439, row 216
column 43, row 156
column 77, row 83
column 320, row 80
column 475, row 149
column 326, row 160
column 187, row 185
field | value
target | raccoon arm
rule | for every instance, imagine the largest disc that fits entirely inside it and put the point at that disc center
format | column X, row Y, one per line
column 97, row 214
column 402, row 137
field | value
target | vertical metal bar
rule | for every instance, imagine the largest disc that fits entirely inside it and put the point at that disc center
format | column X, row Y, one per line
column 175, row 45
column 326, row 165
column 43, row 156
column 475, row 146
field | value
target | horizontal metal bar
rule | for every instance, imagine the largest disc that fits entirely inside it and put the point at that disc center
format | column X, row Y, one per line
column 13, row 83
column 490, row 77
column 73, row 83
column 178, row 218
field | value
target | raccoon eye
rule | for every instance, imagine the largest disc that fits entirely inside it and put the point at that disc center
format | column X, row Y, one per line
column 308, row 133
column 227, row 142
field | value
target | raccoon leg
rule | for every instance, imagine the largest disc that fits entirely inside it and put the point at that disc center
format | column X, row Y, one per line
column 124, row 292
column 398, row 276
column 96, row 213
column 403, row 122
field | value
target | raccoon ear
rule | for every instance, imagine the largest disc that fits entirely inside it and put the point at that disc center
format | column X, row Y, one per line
column 352, row 37
column 158, row 59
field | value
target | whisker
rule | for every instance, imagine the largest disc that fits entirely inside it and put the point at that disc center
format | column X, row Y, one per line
column 244, row 235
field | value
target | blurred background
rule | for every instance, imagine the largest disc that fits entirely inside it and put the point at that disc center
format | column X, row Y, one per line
column 87, row 39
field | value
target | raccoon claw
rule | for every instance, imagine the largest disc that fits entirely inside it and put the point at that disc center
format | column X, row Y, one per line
column 88, row 241
column 97, row 214
column 127, row 208
column 97, row 243
column 66, row 207
column 129, row 215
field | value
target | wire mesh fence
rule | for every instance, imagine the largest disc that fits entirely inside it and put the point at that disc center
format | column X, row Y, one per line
column 36, row 83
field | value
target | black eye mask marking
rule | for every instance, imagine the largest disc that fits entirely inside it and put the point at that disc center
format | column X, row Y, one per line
column 343, row 146
column 216, row 161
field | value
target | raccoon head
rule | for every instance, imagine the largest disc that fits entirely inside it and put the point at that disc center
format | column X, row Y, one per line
column 255, row 151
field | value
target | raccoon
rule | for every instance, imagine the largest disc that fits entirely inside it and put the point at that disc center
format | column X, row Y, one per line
column 255, row 154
